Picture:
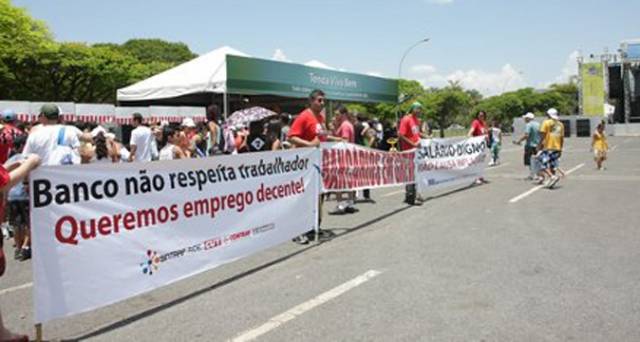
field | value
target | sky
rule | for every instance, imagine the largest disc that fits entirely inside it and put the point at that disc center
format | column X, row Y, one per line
column 488, row 45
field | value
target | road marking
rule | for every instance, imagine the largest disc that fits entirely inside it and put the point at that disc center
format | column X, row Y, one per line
column 496, row 167
column 296, row 311
column 538, row 187
column 393, row 193
column 15, row 288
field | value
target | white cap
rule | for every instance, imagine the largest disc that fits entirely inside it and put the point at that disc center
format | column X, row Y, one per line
column 529, row 116
column 188, row 122
column 553, row 113
column 97, row 131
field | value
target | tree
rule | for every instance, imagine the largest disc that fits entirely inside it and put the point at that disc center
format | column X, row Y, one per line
column 448, row 105
column 570, row 92
column 408, row 90
column 158, row 50
column 20, row 38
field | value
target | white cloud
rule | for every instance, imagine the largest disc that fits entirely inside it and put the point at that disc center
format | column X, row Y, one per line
column 440, row 2
column 279, row 55
column 569, row 69
column 317, row 64
column 423, row 69
column 487, row 82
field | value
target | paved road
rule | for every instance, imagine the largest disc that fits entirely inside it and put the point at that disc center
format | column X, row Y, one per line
column 471, row 265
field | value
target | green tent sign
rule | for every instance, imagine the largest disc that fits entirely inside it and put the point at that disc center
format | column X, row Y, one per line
column 253, row 76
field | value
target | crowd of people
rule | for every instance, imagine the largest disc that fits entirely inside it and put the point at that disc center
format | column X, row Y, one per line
column 24, row 146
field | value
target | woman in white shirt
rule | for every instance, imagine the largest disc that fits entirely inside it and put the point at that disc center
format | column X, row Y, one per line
column 171, row 150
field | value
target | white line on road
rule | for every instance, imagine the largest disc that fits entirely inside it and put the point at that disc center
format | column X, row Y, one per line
column 538, row 187
column 393, row 193
column 296, row 311
column 15, row 288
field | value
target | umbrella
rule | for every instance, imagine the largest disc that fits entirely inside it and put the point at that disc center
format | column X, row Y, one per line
column 245, row 116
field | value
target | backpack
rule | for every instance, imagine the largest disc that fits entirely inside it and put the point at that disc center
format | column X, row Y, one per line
column 218, row 144
column 64, row 154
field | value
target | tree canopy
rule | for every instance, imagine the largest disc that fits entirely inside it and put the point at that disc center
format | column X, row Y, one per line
column 34, row 67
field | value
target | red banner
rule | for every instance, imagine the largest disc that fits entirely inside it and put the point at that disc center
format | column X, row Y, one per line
column 351, row 167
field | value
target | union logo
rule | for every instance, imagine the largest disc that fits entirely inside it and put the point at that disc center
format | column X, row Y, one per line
column 151, row 264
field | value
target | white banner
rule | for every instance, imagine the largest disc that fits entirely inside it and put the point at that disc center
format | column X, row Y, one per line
column 352, row 167
column 446, row 163
column 104, row 233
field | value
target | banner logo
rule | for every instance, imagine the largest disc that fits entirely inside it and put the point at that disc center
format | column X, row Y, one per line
column 151, row 264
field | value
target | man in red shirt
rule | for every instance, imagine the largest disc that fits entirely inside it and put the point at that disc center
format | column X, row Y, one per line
column 479, row 128
column 409, row 134
column 307, row 130
column 345, row 132
column 8, row 133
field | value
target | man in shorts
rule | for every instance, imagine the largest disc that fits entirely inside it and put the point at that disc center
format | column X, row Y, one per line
column 550, row 147
column 531, row 137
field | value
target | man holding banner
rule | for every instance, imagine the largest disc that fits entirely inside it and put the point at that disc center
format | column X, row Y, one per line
column 307, row 130
column 345, row 132
column 409, row 134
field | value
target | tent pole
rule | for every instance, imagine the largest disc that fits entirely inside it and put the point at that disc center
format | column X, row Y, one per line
column 225, row 104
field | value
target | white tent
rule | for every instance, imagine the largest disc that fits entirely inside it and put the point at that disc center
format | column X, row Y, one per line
column 99, row 113
column 205, row 74
column 227, row 76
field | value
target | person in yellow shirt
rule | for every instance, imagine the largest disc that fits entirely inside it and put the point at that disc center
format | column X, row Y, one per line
column 599, row 145
column 550, row 147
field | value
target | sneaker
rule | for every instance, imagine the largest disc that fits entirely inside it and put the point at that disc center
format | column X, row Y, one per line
column 25, row 254
column 301, row 239
column 351, row 210
column 553, row 181
column 339, row 210
column 17, row 253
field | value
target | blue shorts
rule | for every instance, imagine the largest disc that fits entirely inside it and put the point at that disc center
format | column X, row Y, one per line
column 549, row 159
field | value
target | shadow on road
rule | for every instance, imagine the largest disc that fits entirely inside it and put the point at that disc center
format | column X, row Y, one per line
column 328, row 236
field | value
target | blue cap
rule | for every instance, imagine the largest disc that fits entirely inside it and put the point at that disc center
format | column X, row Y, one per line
column 9, row 115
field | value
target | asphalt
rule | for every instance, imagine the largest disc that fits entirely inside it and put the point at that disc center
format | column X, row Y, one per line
column 467, row 265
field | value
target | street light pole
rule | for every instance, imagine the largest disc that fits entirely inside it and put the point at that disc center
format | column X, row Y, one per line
column 424, row 40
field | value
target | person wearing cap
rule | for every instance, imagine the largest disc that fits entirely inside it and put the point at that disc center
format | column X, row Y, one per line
column 8, row 133
column 550, row 146
column 409, row 134
column 531, row 137
column 141, row 142
column 54, row 143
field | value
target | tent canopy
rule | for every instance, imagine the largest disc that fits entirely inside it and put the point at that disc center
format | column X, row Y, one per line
column 226, row 70
column 204, row 74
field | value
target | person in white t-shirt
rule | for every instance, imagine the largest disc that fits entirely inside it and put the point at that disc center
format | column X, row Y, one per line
column 141, row 141
column 171, row 150
column 48, row 137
